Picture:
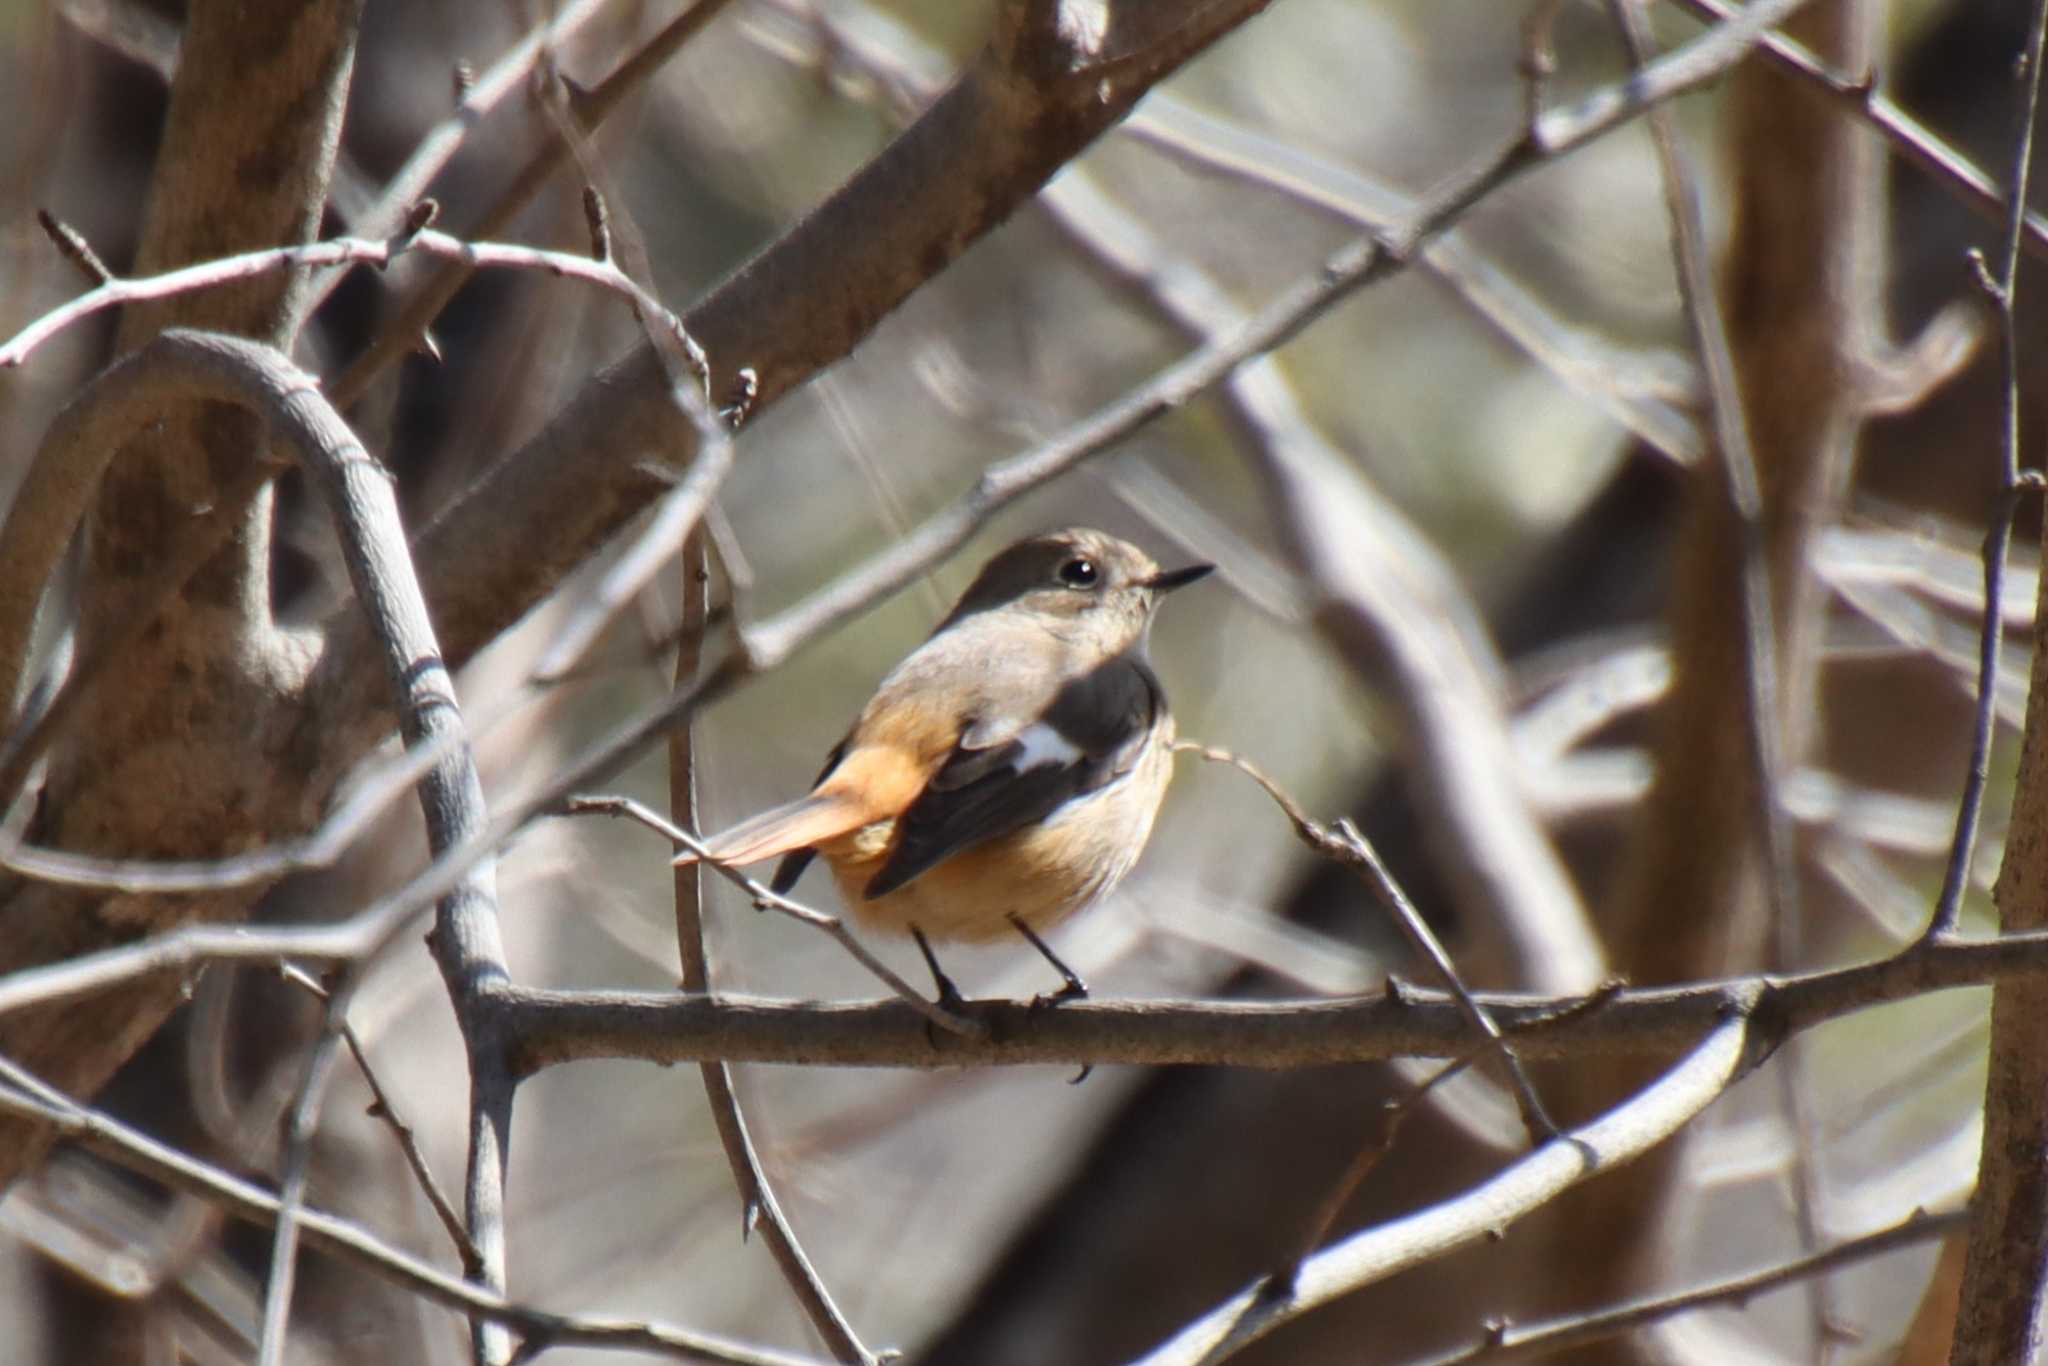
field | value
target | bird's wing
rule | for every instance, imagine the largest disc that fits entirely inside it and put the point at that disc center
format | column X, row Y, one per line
column 1009, row 772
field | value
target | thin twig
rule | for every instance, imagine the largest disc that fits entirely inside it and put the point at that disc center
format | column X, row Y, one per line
column 591, row 108
column 1618, row 1137
column 116, row 292
column 2002, row 291
column 1504, row 1342
column 548, row 1028
column 683, row 363
column 555, row 1027
column 1351, row 268
column 25, row 1095
column 465, row 938
column 1376, row 588
column 2003, row 1293
column 759, row 1206
column 300, row 1130
column 1700, row 302
column 1393, row 1115
column 1910, row 138
column 1345, row 846
column 478, row 95
column 73, row 247
column 1538, row 60
column 765, row 900
column 382, row 1109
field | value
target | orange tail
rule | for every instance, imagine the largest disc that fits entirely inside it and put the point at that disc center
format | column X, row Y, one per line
column 872, row 783
column 799, row 825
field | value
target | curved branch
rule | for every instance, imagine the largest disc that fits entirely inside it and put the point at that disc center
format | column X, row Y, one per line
column 465, row 940
column 1617, row 1137
column 24, row 1096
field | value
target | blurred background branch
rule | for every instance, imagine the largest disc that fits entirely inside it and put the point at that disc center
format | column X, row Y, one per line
column 1375, row 304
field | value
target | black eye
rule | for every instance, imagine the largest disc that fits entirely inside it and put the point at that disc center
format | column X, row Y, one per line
column 1079, row 572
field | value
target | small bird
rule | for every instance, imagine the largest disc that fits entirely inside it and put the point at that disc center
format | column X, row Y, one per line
column 1006, row 774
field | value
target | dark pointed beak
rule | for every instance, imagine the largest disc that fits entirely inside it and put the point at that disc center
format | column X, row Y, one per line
column 1171, row 579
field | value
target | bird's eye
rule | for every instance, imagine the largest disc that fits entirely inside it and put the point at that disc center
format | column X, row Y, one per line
column 1079, row 572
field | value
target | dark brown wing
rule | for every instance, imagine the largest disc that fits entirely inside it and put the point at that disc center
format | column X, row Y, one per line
column 1011, row 772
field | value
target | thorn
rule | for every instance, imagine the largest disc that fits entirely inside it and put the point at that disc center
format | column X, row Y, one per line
column 750, row 1219
column 739, row 398
column 1980, row 274
column 74, row 248
column 418, row 219
column 1278, row 1286
column 579, row 100
column 599, row 223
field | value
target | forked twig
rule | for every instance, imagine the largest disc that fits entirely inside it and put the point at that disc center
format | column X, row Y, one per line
column 1344, row 845
column 383, row 1110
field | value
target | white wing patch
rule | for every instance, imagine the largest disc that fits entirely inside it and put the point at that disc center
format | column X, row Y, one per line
column 1041, row 745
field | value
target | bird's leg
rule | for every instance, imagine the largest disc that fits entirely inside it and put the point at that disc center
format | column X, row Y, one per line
column 949, row 995
column 1074, row 990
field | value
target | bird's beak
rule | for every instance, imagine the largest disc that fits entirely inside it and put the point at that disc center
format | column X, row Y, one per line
column 1168, row 580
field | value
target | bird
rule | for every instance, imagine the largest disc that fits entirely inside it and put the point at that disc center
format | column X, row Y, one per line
column 1006, row 774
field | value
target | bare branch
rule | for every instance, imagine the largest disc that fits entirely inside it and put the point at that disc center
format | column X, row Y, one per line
column 1913, row 140
column 2004, row 1297
column 759, row 1206
column 465, row 937
column 383, row 1108
column 23, row 1095
column 303, row 1124
column 1763, row 635
column 1347, row 848
column 1613, row 1140
column 553, row 1027
column 591, row 108
column 1385, row 599
column 765, row 899
column 1516, row 1342
column 113, row 292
